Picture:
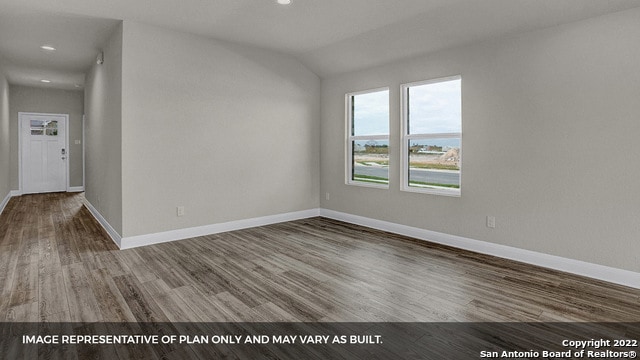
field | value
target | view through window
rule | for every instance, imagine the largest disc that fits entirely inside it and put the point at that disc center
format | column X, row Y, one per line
column 432, row 136
column 368, row 138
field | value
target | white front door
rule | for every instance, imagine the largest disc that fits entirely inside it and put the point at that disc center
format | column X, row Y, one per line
column 44, row 152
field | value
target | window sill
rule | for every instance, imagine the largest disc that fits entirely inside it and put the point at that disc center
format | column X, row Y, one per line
column 432, row 191
column 369, row 184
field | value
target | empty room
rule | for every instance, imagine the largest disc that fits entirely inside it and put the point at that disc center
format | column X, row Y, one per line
column 441, row 179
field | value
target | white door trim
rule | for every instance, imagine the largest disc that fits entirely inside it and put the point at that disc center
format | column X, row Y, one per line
column 66, row 141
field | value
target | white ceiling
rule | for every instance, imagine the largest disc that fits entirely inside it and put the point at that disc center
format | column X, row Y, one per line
column 76, row 38
column 329, row 36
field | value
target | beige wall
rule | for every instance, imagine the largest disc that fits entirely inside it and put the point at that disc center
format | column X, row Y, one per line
column 103, row 135
column 53, row 101
column 5, row 186
column 550, row 129
column 230, row 132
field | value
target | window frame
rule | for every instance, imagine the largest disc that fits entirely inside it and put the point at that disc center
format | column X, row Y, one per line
column 406, row 137
column 350, row 138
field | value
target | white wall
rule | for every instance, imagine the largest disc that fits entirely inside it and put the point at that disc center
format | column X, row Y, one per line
column 550, row 129
column 230, row 132
column 4, row 137
column 103, row 133
column 54, row 101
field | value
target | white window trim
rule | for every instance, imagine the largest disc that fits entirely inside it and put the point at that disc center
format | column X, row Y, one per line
column 406, row 137
column 351, row 138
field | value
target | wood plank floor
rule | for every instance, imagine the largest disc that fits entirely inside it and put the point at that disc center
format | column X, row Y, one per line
column 57, row 264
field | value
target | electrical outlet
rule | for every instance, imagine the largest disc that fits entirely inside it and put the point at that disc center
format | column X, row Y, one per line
column 491, row 222
column 327, row 196
column 180, row 210
column 78, row 142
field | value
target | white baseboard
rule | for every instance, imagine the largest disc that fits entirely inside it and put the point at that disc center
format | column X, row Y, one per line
column 187, row 233
column 113, row 234
column 595, row 271
column 75, row 189
column 16, row 192
column 5, row 201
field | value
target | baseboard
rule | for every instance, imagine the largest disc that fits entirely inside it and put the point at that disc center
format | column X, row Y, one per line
column 75, row 189
column 113, row 234
column 16, row 192
column 595, row 271
column 187, row 233
column 5, row 201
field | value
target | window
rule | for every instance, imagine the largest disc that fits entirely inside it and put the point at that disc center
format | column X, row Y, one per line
column 432, row 136
column 368, row 138
column 42, row 127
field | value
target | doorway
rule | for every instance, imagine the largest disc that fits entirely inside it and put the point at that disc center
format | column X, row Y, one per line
column 44, row 152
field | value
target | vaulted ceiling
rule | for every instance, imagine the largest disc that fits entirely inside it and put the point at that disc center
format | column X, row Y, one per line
column 329, row 36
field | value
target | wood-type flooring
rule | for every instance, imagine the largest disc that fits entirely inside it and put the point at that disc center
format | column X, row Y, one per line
column 58, row 265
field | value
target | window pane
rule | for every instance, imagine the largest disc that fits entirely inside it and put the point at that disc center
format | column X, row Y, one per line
column 371, row 161
column 37, row 127
column 434, row 163
column 52, row 128
column 43, row 127
column 435, row 108
column 38, row 123
column 370, row 113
